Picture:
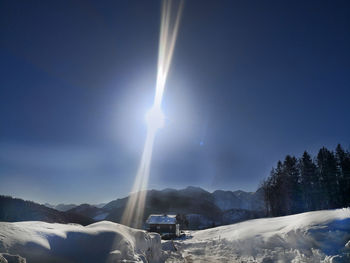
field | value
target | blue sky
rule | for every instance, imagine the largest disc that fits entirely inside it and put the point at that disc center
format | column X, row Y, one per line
column 250, row 82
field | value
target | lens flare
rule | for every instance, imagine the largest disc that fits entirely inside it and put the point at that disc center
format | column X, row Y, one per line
column 155, row 118
column 134, row 211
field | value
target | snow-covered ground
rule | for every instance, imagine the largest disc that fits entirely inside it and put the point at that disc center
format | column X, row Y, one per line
column 321, row 236
column 100, row 242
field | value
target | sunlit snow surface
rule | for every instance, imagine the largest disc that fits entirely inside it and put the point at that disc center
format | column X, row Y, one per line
column 321, row 236
column 100, row 242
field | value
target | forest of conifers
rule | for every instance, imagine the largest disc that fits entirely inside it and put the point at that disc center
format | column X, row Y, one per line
column 307, row 184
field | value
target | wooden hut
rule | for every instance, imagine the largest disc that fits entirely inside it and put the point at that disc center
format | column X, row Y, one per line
column 165, row 225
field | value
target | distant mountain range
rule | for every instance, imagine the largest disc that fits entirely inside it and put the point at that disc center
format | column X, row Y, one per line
column 61, row 207
column 198, row 207
column 65, row 207
column 201, row 208
column 15, row 209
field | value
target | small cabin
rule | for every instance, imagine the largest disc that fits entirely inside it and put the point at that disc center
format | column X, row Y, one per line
column 165, row 225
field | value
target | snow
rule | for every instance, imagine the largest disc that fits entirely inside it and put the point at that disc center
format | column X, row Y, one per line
column 7, row 258
column 161, row 219
column 321, row 236
column 197, row 221
column 99, row 242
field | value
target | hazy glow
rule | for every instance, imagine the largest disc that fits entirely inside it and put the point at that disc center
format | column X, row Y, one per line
column 133, row 214
column 155, row 119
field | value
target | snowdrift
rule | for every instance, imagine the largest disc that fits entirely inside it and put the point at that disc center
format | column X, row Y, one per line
column 321, row 236
column 100, row 242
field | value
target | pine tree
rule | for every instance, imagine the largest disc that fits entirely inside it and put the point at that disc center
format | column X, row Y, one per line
column 303, row 185
column 266, row 185
column 280, row 192
column 327, row 169
column 310, row 186
column 343, row 171
column 292, row 185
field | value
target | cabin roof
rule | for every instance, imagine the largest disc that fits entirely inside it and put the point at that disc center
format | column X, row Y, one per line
column 161, row 219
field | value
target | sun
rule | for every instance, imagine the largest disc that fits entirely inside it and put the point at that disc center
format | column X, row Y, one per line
column 155, row 118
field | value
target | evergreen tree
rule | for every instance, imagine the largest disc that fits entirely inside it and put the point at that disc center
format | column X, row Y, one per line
column 291, row 180
column 296, row 186
column 274, row 190
column 280, row 193
column 346, row 180
column 343, row 171
column 327, row 169
column 266, row 186
column 310, row 185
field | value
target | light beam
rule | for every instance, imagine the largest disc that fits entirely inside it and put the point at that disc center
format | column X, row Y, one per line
column 155, row 118
column 134, row 211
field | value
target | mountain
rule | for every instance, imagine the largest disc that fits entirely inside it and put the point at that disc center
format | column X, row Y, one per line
column 61, row 207
column 100, row 205
column 201, row 208
column 14, row 210
column 186, row 201
column 198, row 208
column 64, row 207
column 252, row 201
column 90, row 211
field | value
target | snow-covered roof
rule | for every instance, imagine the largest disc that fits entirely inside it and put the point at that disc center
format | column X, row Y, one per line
column 161, row 219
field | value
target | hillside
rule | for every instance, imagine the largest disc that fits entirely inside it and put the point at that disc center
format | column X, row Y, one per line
column 201, row 208
column 15, row 210
column 89, row 211
column 320, row 236
column 61, row 207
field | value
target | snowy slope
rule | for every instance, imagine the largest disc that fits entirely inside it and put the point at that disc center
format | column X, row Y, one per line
column 100, row 242
column 321, row 236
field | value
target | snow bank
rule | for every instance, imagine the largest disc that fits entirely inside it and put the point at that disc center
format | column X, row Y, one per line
column 7, row 258
column 321, row 236
column 100, row 242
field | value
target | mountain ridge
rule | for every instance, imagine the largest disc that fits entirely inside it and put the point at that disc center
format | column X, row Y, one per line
column 16, row 209
column 200, row 208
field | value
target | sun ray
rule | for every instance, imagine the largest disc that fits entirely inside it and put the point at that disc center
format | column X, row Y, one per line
column 134, row 211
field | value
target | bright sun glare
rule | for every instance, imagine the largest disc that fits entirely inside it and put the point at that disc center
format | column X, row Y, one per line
column 155, row 118
column 134, row 211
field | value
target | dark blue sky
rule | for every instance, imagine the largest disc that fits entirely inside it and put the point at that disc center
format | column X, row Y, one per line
column 250, row 82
